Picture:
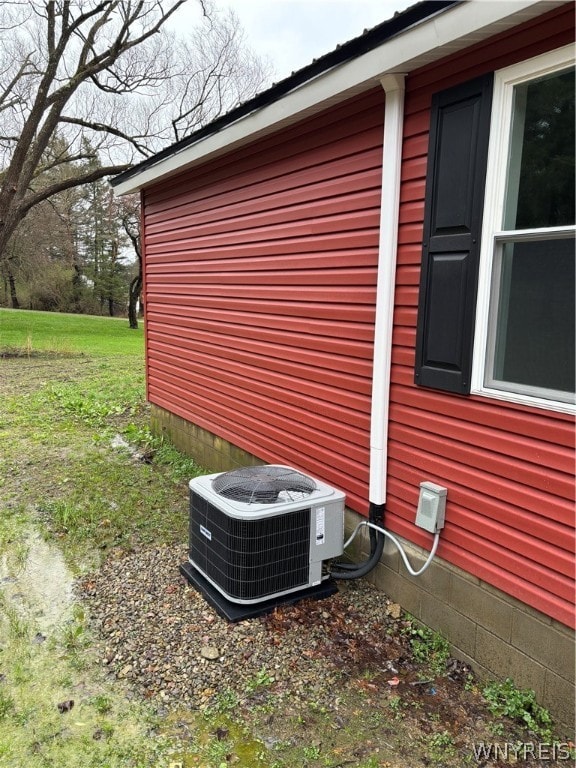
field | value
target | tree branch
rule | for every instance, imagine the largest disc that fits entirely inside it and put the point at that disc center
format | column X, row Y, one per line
column 22, row 71
column 109, row 129
column 62, row 185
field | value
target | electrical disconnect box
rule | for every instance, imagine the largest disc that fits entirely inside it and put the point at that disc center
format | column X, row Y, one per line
column 431, row 507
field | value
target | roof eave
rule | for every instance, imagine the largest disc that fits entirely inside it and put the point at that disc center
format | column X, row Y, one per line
column 446, row 31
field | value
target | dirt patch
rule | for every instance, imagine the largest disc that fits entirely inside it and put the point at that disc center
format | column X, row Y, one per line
column 8, row 353
column 21, row 374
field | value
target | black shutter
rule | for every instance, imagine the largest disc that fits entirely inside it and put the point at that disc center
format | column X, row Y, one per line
column 458, row 149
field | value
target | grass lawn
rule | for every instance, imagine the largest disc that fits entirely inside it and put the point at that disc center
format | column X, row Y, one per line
column 69, row 385
column 28, row 332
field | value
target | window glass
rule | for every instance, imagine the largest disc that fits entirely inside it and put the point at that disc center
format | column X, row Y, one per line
column 540, row 189
column 531, row 338
column 534, row 339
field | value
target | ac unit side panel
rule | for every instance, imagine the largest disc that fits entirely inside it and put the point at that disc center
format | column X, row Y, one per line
column 249, row 560
column 326, row 530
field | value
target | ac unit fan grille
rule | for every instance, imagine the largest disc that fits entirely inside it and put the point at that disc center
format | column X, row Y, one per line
column 249, row 559
column 266, row 484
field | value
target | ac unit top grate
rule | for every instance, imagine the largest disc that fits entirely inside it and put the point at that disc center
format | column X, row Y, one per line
column 264, row 484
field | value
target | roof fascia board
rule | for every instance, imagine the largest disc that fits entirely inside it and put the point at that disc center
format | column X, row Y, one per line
column 446, row 32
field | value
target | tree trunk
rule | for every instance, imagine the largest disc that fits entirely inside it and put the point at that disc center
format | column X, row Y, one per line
column 134, row 295
column 13, row 295
column 76, row 287
column 8, row 223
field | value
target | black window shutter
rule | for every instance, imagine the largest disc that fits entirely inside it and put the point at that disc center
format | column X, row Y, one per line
column 458, row 149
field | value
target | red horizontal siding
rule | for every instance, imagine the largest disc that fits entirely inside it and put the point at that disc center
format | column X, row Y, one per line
column 260, row 294
column 335, row 418
column 289, row 316
column 249, row 178
column 260, row 274
column 509, row 469
column 306, row 245
column 245, row 223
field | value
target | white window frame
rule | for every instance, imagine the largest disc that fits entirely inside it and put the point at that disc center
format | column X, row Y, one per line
column 504, row 82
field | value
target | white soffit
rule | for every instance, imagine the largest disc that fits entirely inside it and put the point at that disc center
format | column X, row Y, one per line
column 447, row 32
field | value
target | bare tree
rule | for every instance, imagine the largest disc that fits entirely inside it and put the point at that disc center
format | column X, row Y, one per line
column 217, row 71
column 110, row 72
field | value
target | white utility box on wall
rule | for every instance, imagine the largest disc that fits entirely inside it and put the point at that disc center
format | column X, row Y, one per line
column 431, row 507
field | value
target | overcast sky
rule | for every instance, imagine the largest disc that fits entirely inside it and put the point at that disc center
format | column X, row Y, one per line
column 290, row 33
column 293, row 32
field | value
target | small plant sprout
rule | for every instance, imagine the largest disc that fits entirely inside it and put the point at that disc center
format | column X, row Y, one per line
column 505, row 699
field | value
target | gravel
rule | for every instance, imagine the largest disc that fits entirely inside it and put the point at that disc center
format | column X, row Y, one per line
column 158, row 633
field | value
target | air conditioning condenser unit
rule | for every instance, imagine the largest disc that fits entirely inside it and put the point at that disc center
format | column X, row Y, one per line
column 259, row 536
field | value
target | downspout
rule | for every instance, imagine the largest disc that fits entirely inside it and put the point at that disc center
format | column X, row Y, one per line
column 394, row 88
column 385, row 287
column 385, row 284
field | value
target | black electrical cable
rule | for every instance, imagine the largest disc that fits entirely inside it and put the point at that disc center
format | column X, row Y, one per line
column 359, row 570
column 355, row 566
column 342, row 570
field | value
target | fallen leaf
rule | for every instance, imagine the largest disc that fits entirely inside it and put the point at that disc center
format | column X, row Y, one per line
column 366, row 686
